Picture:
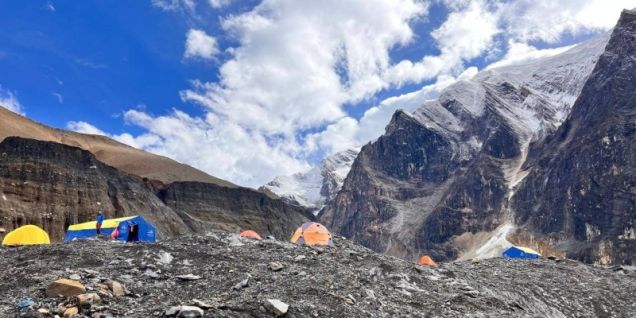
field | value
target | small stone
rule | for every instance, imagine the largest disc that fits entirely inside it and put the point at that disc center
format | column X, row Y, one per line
column 188, row 277
column 85, row 300
column 71, row 312
column 278, row 307
column 466, row 288
column 65, row 287
column 275, row 266
column 472, row 293
column 202, row 304
column 117, row 288
column 75, row 277
column 150, row 273
column 44, row 311
column 165, row 258
column 299, row 258
column 240, row 285
column 184, row 312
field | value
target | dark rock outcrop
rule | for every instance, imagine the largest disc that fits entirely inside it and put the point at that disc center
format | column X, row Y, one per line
column 581, row 190
column 448, row 179
column 54, row 185
column 205, row 205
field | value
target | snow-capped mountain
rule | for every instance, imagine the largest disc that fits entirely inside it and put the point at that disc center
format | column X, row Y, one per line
column 314, row 188
column 439, row 181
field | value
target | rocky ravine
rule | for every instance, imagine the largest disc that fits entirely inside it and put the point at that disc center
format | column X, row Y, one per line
column 234, row 277
column 54, row 185
column 440, row 180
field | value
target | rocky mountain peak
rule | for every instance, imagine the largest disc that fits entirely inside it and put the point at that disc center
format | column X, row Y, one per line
column 440, row 179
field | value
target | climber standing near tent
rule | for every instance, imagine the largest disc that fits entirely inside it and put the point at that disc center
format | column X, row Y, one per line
column 98, row 224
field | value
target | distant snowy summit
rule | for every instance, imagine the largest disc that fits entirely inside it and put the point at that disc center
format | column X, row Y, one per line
column 314, row 188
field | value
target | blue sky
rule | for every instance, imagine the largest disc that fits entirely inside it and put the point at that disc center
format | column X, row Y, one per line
column 259, row 94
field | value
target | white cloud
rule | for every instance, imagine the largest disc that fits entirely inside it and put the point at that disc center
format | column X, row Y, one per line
column 59, row 97
column 9, row 100
column 175, row 5
column 140, row 142
column 279, row 98
column 84, row 128
column 548, row 20
column 468, row 32
column 219, row 3
column 200, row 44
column 49, row 6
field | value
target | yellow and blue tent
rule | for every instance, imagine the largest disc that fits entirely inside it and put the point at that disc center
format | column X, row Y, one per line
column 26, row 235
column 521, row 252
column 142, row 230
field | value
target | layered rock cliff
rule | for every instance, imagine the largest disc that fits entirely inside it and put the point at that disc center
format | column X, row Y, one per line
column 580, row 193
column 440, row 179
column 54, row 185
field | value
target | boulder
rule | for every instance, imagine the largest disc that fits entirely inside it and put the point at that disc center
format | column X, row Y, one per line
column 65, row 287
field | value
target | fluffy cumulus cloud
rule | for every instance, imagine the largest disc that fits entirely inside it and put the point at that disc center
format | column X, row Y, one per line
column 547, row 20
column 281, row 93
column 9, row 100
column 200, row 44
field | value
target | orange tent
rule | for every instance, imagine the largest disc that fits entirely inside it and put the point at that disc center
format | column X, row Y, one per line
column 427, row 261
column 312, row 233
column 251, row 234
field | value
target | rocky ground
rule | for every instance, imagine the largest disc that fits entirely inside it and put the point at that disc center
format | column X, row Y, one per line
column 227, row 276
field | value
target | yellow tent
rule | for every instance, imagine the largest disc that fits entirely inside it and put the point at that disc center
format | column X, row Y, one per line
column 26, row 235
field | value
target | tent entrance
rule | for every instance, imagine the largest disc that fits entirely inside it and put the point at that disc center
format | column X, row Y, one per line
column 133, row 233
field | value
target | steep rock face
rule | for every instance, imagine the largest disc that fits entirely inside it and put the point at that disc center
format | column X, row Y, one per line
column 440, row 178
column 53, row 185
column 203, row 206
column 316, row 187
column 580, row 193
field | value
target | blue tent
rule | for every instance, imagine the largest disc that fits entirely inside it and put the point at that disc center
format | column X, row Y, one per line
column 521, row 252
column 131, row 229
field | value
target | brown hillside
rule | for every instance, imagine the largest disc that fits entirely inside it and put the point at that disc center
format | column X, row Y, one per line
column 111, row 152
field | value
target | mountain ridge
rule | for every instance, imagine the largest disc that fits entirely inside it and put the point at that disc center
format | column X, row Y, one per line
column 114, row 153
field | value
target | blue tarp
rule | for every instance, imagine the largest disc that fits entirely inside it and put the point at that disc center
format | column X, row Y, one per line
column 146, row 232
column 522, row 253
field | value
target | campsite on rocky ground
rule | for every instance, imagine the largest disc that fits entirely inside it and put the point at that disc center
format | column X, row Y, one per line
column 303, row 158
column 223, row 275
